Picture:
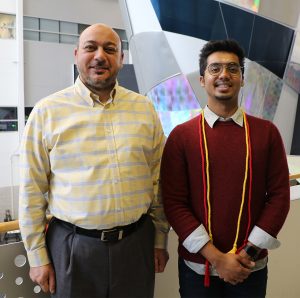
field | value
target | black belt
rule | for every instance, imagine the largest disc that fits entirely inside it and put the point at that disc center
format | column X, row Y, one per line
column 109, row 235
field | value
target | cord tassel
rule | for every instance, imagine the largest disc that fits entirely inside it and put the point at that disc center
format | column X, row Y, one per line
column 207, row 275
column 233, row 250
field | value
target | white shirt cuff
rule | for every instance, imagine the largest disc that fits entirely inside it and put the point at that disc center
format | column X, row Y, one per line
column 262, row 239
column 196, row 240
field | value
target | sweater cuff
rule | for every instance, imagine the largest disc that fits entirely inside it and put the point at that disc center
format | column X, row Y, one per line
column 196, row 240
column 262, row 239
column 38, row 257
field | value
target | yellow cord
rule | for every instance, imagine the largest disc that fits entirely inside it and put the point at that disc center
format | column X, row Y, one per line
column 207, row 178
column 234, row 248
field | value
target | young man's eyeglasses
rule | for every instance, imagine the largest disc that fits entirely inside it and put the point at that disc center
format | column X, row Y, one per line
column 215, row 69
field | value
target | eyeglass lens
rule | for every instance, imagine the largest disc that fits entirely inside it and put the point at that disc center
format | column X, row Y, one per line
column 217, row 68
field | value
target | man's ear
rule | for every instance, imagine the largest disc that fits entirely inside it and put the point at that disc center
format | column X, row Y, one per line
column 242, row 83
column 202, row 82
column 122, row 59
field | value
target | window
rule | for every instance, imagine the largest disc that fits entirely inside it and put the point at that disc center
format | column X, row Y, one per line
column 59, row 31
column 7, row 26
column 49, row 30
column 31, row 28
column 69, row 32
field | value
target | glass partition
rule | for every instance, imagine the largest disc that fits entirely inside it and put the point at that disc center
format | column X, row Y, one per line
column 175, row 102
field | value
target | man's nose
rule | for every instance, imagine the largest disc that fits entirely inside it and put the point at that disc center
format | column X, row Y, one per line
column 224, row 72
column 100, row 53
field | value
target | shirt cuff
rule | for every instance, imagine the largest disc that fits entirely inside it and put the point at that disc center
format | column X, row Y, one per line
column 196, row 240
column 262, row 239
column 161, row 240
column 38, row 257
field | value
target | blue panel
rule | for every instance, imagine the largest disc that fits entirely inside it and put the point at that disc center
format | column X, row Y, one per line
column 271, row 44
column 201, row 19
column 238, row 25
column 127, row 78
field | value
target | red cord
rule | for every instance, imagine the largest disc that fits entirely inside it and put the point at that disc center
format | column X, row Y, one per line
column 206, row 277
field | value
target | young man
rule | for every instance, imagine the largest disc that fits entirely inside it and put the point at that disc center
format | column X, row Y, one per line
column 225, row 186
column 94, row 149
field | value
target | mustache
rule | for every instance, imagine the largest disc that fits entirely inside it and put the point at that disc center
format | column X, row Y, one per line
column 222, row 81
column 96, row 64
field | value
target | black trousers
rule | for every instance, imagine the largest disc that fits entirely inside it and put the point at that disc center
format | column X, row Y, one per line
column 87, row 267
column 192, row 285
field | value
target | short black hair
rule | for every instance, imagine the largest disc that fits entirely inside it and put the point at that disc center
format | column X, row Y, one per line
column 225, row 45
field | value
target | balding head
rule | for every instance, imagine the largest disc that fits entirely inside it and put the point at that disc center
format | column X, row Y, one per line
column 99, row 27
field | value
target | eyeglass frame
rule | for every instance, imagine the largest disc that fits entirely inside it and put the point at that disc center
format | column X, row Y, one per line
column 226, row 65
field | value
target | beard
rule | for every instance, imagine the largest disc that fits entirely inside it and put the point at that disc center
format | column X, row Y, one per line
column 99, row 85
column 223, row 97
column 94, row 81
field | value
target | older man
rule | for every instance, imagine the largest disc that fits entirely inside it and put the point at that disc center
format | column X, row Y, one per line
column 91, row 156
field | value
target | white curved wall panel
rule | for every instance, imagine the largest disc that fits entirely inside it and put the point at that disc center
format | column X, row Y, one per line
column 141, row 21
column 152, row 56
column 153, row 59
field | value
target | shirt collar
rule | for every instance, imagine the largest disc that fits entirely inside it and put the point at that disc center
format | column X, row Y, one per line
column 90, row 97
column 211, row 117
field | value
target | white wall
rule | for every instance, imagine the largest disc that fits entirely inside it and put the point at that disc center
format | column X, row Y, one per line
column 9, row 144
column 47, row 69
column 77, row 11
column 8, row 6
column 8, row 72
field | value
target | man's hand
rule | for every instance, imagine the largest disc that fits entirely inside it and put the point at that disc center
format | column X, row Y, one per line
column 161, row 257
column 44, row 276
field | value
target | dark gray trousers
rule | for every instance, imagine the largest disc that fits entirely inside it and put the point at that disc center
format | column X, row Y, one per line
column 87, row 267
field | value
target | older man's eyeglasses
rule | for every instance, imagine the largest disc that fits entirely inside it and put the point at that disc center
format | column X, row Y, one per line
column 215, row 69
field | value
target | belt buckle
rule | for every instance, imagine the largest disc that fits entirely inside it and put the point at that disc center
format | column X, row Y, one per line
column 106, row 232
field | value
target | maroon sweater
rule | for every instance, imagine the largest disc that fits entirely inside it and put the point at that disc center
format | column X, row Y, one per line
column 182, row 187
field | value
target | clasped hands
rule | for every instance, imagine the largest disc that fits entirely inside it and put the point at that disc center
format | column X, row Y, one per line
column 234, row 268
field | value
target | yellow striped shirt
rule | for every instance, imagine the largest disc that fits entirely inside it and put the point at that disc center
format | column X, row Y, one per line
column 94, row 165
